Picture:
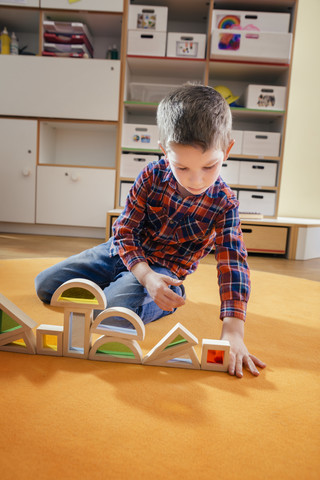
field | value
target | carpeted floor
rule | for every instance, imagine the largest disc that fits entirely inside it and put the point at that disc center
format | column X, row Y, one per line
column 67, row 418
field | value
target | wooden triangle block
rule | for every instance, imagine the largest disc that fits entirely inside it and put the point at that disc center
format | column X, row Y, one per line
column 81, row 294
column 13, row 321
column 137, row 333
column 215, row 355
column 116, row 349
column 177, row 340
column 27, row 345
column 184, row 359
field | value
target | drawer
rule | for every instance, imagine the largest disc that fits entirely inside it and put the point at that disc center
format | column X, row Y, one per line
column 257, row 202
column 124, row 190
column 147, row 43
column 258, row 173
column 266, row 144
column 263, row 21
column 265, row 239
column 186, row 45
column 148, row 18
column 131, row 165
column 264, row 97
column 230, row 172
column 237, row 136
column 140, row 136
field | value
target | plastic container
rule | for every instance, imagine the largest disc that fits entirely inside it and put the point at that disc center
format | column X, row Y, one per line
column 14, row 45
column 5, row 42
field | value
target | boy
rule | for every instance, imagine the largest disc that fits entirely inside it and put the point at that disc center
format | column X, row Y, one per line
column 177, row 210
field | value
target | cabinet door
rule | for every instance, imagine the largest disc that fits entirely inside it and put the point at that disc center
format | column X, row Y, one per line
column 60, row 87
column 90, row 5
column 21, row 3
column 74, row 196
column 18, row 144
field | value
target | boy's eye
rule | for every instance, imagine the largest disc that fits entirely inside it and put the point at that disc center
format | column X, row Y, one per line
column 181, row 168
column 209, row 168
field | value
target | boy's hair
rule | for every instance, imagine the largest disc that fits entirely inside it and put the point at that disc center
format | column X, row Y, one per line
column 194, row 115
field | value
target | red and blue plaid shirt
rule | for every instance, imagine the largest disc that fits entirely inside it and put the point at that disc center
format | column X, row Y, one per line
column 158, row 226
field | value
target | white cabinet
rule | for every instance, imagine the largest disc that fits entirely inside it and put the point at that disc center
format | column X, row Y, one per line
column 21, row 3
column 60, row 87
column 18, row 145
column 89, row 5
column 74, row 196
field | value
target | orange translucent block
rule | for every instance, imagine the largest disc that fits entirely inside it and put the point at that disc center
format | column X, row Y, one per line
column 215, row 356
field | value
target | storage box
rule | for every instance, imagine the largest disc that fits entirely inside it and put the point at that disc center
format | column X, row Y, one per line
column 264, row 97
column 263, row 21
column 231, row 44
column 140, row 136
column 237, row 135
column 149, row 92
column 186, row 45
column 258, row 173
column 230, row 172
column 257, row 202
column 131, row 165
column 150, row 18
column 146, row 43
column 124, row 190
column 266, row 144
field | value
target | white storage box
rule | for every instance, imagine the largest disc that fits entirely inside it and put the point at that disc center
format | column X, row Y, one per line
column 124, row 190
column 149, row 92
column 146, row 43
column 230, row 172
column 263, row 21
column 251, row 45
column 145, row 17
column 258, row 173
column 257, row 202
column 266, row 144
column 140, row 136
column 237, row 135
column 264, row 97
column 186, row 45
column 131, row 165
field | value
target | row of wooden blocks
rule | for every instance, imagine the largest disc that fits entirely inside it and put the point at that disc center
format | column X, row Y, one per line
column 79, row 299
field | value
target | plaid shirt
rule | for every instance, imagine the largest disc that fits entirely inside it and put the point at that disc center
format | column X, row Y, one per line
column 158, row 226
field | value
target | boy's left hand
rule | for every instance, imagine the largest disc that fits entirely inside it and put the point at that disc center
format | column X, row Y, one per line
column 233, row 331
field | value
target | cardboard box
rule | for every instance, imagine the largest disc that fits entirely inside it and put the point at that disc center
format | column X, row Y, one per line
column 148, row 18
column 265, row 144
column 230, row 172
column 263, row 21
column 258, row 173
column 237, row 135
column 251, row 45
column 264, row 97
column 131, row 165
column 140, row 136
column 186, row 45
column 146, row 43
column 257, row 201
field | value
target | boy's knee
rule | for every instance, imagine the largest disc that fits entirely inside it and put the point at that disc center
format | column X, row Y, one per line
column 41, row 290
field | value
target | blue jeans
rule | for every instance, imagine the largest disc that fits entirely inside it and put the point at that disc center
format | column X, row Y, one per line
column 120, row 286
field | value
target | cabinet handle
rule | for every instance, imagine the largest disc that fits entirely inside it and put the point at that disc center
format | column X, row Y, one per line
column 75, row 177
column 258, row 167
column 246, row 230
column 257, row 196
column 139, row 159
column 26, row 172
column 146, row 36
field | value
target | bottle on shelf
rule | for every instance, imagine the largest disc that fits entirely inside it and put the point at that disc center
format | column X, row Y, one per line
column 114, row 53
column 5, row 42
column 14, row 45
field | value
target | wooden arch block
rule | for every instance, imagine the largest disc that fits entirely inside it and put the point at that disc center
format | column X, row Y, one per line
column 215, row 355
column 80, row 293
column 119, row 350
column 138, row 332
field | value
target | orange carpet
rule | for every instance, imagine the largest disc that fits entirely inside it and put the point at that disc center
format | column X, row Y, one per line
column 64, row 418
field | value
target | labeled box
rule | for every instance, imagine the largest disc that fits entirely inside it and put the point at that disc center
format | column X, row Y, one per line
column 140, row 136
column 253, row 45
column 230, row 172
column 186, row 45
column 263, row 174
column 264, row 97
column 263, row 21
column 257, row 201
column 131, row 165
column 265, row 144
column 148, row 18
column 146, row 43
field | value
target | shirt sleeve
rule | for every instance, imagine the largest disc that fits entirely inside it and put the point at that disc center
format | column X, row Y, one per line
column 233, row 271
column 127, row 228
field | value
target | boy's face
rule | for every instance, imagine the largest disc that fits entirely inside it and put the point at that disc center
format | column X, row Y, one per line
column 195, row 170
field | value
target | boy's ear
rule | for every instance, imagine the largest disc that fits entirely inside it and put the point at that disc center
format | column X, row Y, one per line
column 229, row 149
column 162, row 148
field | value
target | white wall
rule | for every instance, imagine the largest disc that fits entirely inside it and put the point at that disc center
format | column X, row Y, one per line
column 300, row 185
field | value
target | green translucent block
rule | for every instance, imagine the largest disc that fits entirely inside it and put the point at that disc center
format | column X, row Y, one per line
column 116, row 349
column 179, row 340
column 7, row 324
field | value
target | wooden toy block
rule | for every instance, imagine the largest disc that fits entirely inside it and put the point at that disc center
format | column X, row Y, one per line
column 138, row 332
column 12, row 320
column 44, row 345
column 76, row 335
column 116, row 349
column 215, row 355
column 177, row 340
column 21, row 342
column 81, row 293
column 185, row 359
